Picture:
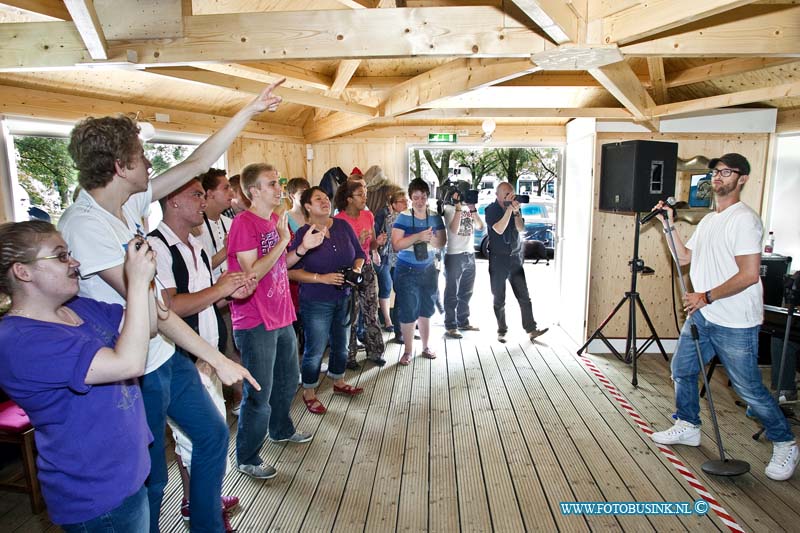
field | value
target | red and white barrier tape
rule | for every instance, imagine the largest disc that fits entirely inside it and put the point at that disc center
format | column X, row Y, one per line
column 690, row 478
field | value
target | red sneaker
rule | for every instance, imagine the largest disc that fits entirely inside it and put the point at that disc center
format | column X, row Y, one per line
column 228, row 503
column 226, row 521
column 185, row 509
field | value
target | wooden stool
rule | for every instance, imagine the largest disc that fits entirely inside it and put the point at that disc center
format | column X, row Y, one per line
column 15, row 427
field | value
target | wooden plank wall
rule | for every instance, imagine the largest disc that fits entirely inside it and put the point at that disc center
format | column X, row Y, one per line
column 612, row 234
column 288, row 157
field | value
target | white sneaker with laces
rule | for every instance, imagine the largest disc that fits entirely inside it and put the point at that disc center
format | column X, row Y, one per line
column 785, row 457
column 681, row 433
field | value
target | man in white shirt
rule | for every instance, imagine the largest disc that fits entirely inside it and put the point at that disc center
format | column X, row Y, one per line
column 727, row 310
column 215, row 225
column 111, row 208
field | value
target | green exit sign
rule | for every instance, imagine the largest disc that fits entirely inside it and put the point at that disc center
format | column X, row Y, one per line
column 451, row 138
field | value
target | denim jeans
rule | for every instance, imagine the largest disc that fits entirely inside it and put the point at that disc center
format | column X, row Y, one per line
column 131, row 516
column 384, row 274
column 737, row 349
column 502, row 268
column 459, row 275
column 174, row 389
column 415, row 291
column 271, row 357
column 325, row 321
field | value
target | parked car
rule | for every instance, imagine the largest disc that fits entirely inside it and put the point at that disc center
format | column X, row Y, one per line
column 539, row 238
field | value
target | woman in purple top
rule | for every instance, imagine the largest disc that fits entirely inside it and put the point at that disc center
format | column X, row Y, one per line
column 71, row 364
column 324, row 295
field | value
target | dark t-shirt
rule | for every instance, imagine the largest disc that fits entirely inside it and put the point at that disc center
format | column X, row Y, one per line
column 506, row 243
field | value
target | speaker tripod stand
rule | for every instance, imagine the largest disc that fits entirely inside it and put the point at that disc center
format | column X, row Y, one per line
column 632, row 353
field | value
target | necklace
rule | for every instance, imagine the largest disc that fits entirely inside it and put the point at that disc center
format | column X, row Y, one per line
column 18, row 312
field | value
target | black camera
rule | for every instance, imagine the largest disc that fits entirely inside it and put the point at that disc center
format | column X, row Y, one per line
column 351, row 278
column 520, row 198
column 456, row 192
column 421, row 251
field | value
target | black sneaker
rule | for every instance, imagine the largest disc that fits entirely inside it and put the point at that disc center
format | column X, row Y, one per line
column 397, row 340
column 353, row 365
column 379, row 361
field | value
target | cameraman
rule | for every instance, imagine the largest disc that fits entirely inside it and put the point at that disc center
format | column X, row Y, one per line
column 505, row 222
column 415, row 235
column 324, row 296
column 459, row 264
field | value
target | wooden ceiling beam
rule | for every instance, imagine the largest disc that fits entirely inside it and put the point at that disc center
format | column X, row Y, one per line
column 555, row 18
column 726, row 67
column 333, row 126
column 785, row 90
column 620, row 80
column 85, row 18
column 655, row 16
column 271, row 74
column 59, row 106
column 376, row 83
column 657, row 79
column 344, row 73
column 766, row 31
column 50, row 8
column 253, row 87
column 618, row 113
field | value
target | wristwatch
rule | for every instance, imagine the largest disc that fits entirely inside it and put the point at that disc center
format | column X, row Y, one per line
column 708, row 297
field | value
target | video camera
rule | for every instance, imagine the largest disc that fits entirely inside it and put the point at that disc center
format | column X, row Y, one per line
column 455, row 192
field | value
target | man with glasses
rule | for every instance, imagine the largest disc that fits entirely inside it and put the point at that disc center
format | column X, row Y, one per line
column 727, row 309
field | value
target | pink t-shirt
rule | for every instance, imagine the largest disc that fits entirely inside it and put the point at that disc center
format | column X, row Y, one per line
column 363, row 226
column 271, row 304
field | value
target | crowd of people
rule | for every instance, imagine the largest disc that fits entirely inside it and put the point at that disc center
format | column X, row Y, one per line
column 108, row 322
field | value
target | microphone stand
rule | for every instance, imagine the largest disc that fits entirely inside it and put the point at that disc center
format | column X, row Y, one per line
column 722, row 466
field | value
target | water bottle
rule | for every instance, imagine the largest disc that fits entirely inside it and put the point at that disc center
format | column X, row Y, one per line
column 770, row 245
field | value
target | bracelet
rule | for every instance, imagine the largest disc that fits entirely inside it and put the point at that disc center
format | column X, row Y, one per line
column 707, row 295
column 298, row 253
column 316, row 277
column 668, row 229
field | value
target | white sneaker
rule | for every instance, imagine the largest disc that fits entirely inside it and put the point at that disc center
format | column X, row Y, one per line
column 323, row 368
column 785, row 457
column 681, row 433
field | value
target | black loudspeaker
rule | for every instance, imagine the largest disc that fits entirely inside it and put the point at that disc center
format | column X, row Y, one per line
column 635, row 175
column 774, row 268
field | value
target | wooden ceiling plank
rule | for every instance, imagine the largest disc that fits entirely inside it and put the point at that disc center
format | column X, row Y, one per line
column 451, row 79
column 767, row 32
column 344, row 73
column 540, row 112
column 554, row 17
column 53, row 105
column 785, row 90
column 654, row 16
column 376, row 83
column 620, row 80
column 289, row 95
column 726, row 67
column 51, row 8
column 334, row 125
column 658, row 79
column 85, row 18
column 274, row 73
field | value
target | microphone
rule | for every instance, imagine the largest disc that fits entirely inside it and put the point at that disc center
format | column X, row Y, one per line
column 649, row 216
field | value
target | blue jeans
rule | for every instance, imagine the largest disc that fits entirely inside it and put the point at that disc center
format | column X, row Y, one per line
column 174, row 389
column 131, row 516
column 384, row 274
column 415, row 291
column 459, row 275
column 737, row 349
column 271, row 357
column 325, row 321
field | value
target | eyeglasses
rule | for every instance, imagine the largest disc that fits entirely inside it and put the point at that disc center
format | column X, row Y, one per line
column 358, row 194
column 724, row 172
column 64, row 257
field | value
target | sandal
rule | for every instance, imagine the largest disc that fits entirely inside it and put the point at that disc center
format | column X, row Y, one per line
column 405, row 360
column 427, row 353
column 315, row 406
column 347, row 389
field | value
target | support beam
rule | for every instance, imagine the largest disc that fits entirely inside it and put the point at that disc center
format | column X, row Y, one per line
column 58, row 106
column 620, row 80
column 333, row 126
column 727, row 67
column 657, row 79
column 451, row 79
column 554, row 17
column 617, row 113
column 85, row 18
column 786, row 90
column 766, row 31
column 344, row 72
column 50, row 8
column 270, row 74
column 655, row 16
column 376, row 83
column 289, row 95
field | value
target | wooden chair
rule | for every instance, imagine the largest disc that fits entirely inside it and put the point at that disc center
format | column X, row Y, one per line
column 15, row 428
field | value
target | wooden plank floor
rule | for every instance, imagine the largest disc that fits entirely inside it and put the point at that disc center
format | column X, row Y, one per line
column 488, row 437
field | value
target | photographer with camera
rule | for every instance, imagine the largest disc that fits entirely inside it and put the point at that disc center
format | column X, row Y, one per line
column 326, row 275
column 461, row 219
column 415, row 235
column 351, row 201
column 505, row 222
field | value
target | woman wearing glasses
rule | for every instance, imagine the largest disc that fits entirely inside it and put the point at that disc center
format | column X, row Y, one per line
column 71, row 363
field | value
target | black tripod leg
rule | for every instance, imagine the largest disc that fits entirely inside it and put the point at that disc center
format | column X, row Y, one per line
column 652, row 328
column 599, row 331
